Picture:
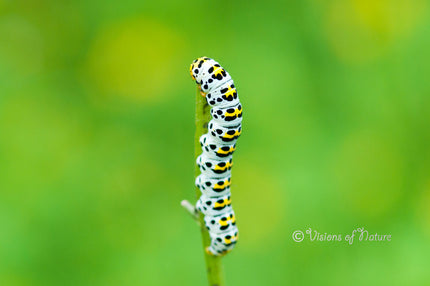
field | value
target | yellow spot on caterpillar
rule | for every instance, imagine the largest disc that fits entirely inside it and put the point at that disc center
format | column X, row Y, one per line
column 222, row 152
column 227, row 166
column 226, row 184
column 225, row 222
column 191, row 71
column 228, row 136
column 236, row 113
column 224, row 203
column 230, row 92
column 202, row 59
column 231, row 240
column 218, row 70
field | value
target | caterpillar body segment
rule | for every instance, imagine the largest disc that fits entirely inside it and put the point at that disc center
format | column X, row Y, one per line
column 221, row 223
column 214, row 168
column 227, row 115
column 214, row 206
column 214, row 149
column 213, row 187
column 224, row 134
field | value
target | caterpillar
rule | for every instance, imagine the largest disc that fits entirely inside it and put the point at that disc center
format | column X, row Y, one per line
column 218, row 146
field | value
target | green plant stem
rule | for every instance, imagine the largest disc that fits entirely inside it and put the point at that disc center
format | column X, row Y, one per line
column 213, row 263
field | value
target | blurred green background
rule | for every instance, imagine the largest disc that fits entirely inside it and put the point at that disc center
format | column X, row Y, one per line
column 96, row 140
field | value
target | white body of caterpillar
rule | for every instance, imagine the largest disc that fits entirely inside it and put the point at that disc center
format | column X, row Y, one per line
column 218, row 145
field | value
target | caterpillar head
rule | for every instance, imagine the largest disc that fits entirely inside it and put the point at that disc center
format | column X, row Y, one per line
column 208, row 74
column 196, row 68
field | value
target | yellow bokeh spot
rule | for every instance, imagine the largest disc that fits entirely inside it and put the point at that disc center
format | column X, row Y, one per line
column 390, row 17
column 362, row 30
column 135, row 59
